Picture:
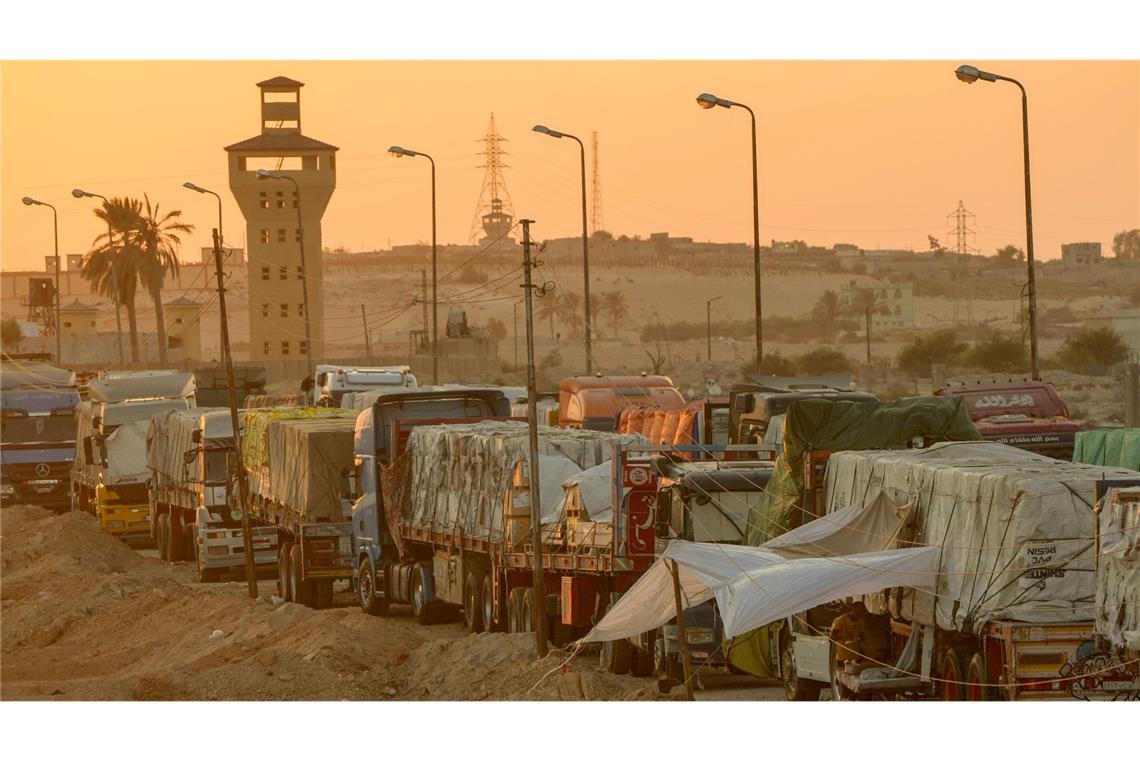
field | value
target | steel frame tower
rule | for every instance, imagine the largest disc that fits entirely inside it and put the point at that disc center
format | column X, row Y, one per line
column 963, row 233
column 494, row 213
column 597, row 219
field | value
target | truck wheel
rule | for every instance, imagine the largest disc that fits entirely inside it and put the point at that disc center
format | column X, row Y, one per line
column 514, row 610
column 322, row 593
column 163, row 532
column 796, row 689
column 615, row 656
column 488, row 600
column 473, row 602
column 419, row 596
column 174, row 539
column 952, row 686
column 283, row 572
column 526, row 611
column 643, row 659
column 190, row 541
column 302, row 589
column 371, row 601
column 977, row 690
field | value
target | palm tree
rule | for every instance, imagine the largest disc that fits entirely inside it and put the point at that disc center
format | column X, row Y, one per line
column 158, row 241
column 570, row 311
column 865, row 302
column 614, row 304
column 113, row 264
column 828, row 308
column 548, row 308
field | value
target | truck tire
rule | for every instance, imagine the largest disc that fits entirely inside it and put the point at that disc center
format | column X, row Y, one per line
column 302, row 589
column 283, row 571
column 419, row 597
column 488, row 601
column 643, row 659
column 514, row 610
column 796, row 689
column 977, row 690
column 174, row 540
column 615, row 657
column 526, row 611
column 473, row 602
column 322, row 593
column 190, row 541
column 163, row 532
column 952, row 686
column 371, row 600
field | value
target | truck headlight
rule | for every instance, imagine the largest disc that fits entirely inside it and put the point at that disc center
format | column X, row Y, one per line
column 700, row 636
column 114, row 524
column 7, row 490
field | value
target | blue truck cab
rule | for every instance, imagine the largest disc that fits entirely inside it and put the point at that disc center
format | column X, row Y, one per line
column 382, row 573
column 37, row 446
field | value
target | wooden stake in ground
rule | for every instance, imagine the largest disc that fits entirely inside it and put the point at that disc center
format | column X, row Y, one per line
column 243, row 495
column 538, row 609
column 681, row 634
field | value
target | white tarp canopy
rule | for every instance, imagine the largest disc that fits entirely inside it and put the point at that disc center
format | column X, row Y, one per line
column 590, row 489
column 849, row 553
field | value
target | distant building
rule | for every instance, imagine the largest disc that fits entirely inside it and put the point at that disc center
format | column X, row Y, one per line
column 184, row 327
column 895, row 302
column 78, row 319
column 235, row 257
column 1081, row 254
column 1126, row 323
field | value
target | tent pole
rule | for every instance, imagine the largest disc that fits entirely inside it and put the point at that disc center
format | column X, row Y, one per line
column 682, row 636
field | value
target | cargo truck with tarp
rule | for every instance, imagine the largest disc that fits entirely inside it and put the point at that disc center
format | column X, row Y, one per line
column 1025, row 414
column 443, row 519
column 194, row 516
column 1117, row 557
column 1010, row 612
column 295, row 461
column 110, row 474
column 1113, row 447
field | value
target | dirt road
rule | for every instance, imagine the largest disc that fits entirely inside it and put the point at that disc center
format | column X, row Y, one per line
column 86, row 617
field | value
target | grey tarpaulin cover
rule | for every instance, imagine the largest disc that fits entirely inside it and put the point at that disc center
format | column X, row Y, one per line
column 590, row 490
column 1118, row 569
column 847, row 555
column 306, row 457
column 1014, row 529
column 460, row 474
column 170, row 435
column 126, row 427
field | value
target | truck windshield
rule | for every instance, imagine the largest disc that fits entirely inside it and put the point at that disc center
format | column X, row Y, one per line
column 1037, row 402
column 28, row 431
column 723, row 519
column 216, row 465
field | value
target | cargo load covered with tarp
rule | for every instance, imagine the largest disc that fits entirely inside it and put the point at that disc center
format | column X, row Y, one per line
column 124, row 426
column 305, row 460
column 255, row 443
column 1118, row 569
column 171, row 434
column 32, row 374
column 1015, row 530
column 1119, row 447
column 822, row 425
column 144, row 385
column 460, row 475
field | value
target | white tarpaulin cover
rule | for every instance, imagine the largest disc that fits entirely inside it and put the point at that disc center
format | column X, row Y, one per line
column 590, row 490
column 552, row 471
column 126, row 454
column 1015, row 530
column 1118, row 568
column 755, row 586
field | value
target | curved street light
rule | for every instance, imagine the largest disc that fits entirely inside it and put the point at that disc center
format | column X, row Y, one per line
column 30, row 201
column 79, row 193
column 969, row 75
column 707, row 100
column 397, row 152
column 544, row 130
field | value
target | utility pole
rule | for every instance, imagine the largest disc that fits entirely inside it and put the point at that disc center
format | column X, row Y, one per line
column 516, row 333
column 424, row 300
column 681, row 633
column 243, row 486
column 538, row 609
column 367, row 337
column 708, row 324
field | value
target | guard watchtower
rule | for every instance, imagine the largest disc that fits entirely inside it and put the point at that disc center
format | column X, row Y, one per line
column 273, row 238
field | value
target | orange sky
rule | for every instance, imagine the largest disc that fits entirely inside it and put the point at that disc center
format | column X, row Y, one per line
column 871, row 153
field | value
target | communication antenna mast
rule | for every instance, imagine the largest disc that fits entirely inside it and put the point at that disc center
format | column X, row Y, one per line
column 597, row 219
column 494, row 213
column 963, row 233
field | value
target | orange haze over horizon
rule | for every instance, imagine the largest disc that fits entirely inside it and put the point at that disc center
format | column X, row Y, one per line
column 871, row 153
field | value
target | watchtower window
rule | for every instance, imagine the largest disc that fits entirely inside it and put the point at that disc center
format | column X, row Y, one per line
column 284, row 309
column 300, row 272
column 284, row 348
column 265, row 234
column 263, row 202
column 282, row 272
column 301, row 310
column 279, row 97
column 265, row 310
column 265, row 347
column 302, row 347
column 280, row 199
column 280, row 234
column 297, row 235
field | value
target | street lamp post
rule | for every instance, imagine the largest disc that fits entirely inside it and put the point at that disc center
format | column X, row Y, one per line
column 399, row 152
column 221, row 238
column 708, row 323
column 266, row 174
column 969, row 75
column 585, row 239
column 706, row 101
column 29, row 201
column 78, row 193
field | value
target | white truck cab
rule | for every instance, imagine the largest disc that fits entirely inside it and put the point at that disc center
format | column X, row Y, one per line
column 332, row 381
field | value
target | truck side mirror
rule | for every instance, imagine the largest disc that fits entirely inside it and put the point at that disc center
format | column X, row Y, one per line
column 94, row 450
column 190, row 455
column 744, row 403
column 196, row 436
column 662, row 513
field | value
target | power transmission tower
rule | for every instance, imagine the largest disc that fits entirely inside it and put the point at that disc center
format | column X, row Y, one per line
column 963, row 233
column 597, row 219
column 494, row 213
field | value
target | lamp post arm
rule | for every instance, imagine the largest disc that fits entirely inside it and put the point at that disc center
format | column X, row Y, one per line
column 756, row 241
column 585, row 256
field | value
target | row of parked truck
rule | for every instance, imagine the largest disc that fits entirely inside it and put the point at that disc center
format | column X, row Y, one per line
column 420, row 496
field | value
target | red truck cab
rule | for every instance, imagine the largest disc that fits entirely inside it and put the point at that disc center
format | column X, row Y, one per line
column 1025, row 414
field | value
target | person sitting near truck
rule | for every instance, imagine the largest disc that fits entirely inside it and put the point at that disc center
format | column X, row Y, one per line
column 847, row 631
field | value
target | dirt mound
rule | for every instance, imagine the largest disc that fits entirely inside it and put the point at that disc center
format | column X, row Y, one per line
column 86, row 617
column 501, row 666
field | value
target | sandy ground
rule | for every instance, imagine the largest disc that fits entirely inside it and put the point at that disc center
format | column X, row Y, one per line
column 87, row 618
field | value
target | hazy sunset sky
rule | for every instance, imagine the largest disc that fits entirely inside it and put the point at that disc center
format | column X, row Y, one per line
column 872, row 153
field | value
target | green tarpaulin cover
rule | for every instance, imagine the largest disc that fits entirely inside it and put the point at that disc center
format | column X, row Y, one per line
column 1119, row 447
column 823, row 425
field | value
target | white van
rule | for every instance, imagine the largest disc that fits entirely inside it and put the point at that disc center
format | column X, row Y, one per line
column 332, row 381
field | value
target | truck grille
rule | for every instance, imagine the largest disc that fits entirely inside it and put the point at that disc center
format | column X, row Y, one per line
column 27, row 471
